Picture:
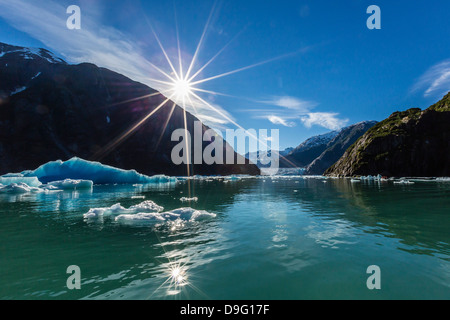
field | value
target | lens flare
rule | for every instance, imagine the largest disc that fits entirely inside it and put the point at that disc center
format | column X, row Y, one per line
column 182, row 89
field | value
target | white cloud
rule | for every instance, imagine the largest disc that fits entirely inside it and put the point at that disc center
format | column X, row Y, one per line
column 292, row 108
column 324, row 119
column 435, row 81
column 99, row 44
column 291, row 103
column 280, row 121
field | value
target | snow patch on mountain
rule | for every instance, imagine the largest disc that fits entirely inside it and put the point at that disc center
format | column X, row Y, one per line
column 32, row 53
column 318, row 140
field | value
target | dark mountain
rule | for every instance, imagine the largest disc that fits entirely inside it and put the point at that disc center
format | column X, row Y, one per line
column 408, row 143
column 309, row 150
column 51, row 110
column 336, row 147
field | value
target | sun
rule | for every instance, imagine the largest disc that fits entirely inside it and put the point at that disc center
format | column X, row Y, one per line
column 182, row 89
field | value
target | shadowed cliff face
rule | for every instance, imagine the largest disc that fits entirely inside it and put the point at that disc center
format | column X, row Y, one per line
column 336, row 147
column 50, row 110
column 409, row 143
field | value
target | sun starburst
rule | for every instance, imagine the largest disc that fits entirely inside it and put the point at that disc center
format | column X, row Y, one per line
column 182, row 87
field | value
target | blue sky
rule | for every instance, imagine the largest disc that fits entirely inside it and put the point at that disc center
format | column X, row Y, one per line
column 324, row 68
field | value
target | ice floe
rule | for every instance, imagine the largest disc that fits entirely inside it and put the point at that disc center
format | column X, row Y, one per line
column 144, row 207
column 148, row 212
column 185, row 199
column 403, row 182
column 183, row 214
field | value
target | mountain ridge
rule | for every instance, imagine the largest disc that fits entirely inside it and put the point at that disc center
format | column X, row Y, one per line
column 307, row 151
column 52, row 110
column 414, row 142
column 337, row 147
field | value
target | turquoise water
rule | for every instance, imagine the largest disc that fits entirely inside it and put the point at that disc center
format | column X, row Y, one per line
column 281, row 238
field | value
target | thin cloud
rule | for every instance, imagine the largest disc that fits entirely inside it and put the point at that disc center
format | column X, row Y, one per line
column 292, row 108
column 324, row 119
column 435, row 81
column 291, row 103
column 280, row 121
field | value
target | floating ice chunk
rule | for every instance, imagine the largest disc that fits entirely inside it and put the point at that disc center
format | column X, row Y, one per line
column 185, row 199
column 232, row 178
column 355, row 180
column 443, row 179
column 154, row 217
column 100, row 212
column 70, row 184
column 18, row 178
column 98, row 173
column 144, row 207
column 190, row 214
column 19, row 188
column 403, row 182
column 184, row 214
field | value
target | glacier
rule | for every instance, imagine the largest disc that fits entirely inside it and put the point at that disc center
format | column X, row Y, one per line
column 98, row 173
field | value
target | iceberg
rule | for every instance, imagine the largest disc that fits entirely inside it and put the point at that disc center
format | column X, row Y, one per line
column 144, row 207
column 79, row 169
column 147, row 212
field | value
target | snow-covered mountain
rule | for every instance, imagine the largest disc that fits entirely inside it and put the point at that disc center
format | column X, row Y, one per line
column 337, row 147
column 30, row 53
column 21, row 66
column 309, row 150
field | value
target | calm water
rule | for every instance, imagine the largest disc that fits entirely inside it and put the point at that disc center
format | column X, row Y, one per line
column 284, row 238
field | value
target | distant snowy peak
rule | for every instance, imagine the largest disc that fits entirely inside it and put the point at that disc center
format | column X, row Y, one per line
column 363, row 123
column 318, row 140
column 30, row 53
